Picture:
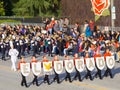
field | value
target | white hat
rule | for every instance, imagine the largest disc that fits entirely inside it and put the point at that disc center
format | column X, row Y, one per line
column 52, row 18
column 94, row 42
column 107, row 41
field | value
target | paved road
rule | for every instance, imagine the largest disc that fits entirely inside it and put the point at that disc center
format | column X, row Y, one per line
column 10, row 80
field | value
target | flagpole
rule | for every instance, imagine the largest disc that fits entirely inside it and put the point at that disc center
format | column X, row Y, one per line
column 112, row 20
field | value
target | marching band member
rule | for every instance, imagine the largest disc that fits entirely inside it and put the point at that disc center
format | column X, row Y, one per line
column 23, row 82
column 17, row 46
column 22, row 45
column 97, row 54
column 38, row 45
column 108, row 53
column 46, row 78
column 35, row 80
column 13, row 53
column 50, row 47
column 88, row 71
column 77, row 72
column 34, row 46
column 7, row 47
column 56, row 75
column 67, row 74
column 3, row 48
column 27, row 44
column 11, row 42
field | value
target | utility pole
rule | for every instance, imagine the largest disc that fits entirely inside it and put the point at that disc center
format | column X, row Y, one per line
column 113, row 15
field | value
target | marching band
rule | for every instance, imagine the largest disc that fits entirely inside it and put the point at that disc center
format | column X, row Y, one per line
column 57, row 67
column 97, row 51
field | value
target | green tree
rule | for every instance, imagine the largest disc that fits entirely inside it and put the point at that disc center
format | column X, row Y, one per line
column 30, row 7
column 2, row 11
column 36, row 7
column 55, row 7
column 7, row 7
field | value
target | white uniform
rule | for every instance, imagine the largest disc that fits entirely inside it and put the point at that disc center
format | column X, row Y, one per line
column 13, row 53
column 11, row 43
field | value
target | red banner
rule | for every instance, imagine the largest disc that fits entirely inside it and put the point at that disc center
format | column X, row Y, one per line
column 99, row 6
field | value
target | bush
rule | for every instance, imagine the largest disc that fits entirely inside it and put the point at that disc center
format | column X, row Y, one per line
column 9, row 21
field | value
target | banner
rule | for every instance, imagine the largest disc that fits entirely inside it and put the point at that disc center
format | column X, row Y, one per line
column 47, row 67
column 58, row 67
column 90, row 64
column 100, row 63
column 25, row 69
column 36, row 68
column 69, row 66
column 79, row 64
column 100, row 8
column 110, row 62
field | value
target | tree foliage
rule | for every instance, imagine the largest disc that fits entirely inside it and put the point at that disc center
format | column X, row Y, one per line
column 36, row 7
column 7, row 5
column 2, row 11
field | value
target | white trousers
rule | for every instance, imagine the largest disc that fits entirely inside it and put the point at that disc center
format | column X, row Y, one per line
column 13, row 60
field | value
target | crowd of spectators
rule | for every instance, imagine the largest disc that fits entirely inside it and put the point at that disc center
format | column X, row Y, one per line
column 57, row 37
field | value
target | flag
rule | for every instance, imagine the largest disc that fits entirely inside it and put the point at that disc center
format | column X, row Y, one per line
column 100, row 8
